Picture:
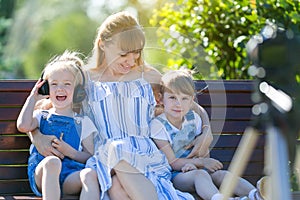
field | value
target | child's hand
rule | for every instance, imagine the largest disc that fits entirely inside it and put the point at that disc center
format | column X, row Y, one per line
column 188, row 167
column 212, row 165
column 63, row 147
column 34, row 91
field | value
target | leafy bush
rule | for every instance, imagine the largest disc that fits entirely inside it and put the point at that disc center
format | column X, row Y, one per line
column 216, row 31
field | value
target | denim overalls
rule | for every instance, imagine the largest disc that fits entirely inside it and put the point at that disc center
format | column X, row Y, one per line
column 52, row 124
column 181, row 138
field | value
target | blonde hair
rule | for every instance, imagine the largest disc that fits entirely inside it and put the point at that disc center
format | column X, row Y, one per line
column 178, row 81
column 122, row 28
column 68, row 61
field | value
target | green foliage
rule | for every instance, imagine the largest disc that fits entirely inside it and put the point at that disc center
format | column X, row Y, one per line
column 218, row 30
column 6, row 11
column 74, row 32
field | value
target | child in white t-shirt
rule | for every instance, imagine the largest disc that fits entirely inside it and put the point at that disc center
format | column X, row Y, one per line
column 175, row 129
column 72, row 134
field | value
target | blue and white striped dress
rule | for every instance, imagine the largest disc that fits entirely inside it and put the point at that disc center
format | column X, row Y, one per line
column 122, row 112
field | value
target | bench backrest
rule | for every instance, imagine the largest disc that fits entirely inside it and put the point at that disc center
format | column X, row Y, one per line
column 228, row 104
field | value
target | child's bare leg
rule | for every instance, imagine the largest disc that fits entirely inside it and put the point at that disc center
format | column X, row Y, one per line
column 72, row 184
column 84, row 182
column 136, row 185
column 196, row 180
column 242, row 188
column 47, row 177
column 117, row 191
column 90, row 184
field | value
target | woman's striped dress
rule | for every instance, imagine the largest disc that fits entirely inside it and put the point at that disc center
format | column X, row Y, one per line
column 122, row 112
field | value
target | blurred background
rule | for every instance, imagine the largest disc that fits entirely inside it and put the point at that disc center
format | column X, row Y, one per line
column 207, row 36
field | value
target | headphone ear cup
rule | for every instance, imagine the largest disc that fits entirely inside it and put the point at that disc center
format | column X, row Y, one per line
column 44, row 89
column 79, row 94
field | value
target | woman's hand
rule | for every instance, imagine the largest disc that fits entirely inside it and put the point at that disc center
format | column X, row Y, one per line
column 211, row 164
column 43, row 143
column 68, row 151
column 200, row 146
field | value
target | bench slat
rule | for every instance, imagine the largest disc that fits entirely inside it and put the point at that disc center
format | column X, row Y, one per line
column 225, row 155
column 225, row 99
column 229, row 85
column 13, row 172
column 229, row 127
column 9, row 113
column 8, row 127
column 16, row 85
column 20, row 187
column 15, row 98
column 232, row 141
column 13, row 157
column 229, row 113
column 14, row 142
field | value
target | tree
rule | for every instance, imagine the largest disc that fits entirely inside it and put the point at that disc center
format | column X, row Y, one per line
column 42, row 29
column 217, row 32
column 6, row 13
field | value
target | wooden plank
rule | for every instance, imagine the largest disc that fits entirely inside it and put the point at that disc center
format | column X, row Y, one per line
column 14, row 142
column 11, row 187
column 13, row 157
column 225, row 99
column 228, row 85
column 229, row 113
column 13, row 172
column 9, row 114
column 296, row 195
column 252, row 169
column 229, row 127
column 8, row 127
column 13, row 98
column 16, row 85
column 232, row 141
column 225, row 155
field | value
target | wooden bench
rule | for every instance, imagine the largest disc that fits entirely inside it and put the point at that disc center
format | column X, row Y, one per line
column 228, row 104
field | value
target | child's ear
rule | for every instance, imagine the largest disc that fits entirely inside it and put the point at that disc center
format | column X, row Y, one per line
column 160, row 98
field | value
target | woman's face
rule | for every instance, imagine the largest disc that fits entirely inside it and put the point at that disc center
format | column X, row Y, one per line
column 120, row 61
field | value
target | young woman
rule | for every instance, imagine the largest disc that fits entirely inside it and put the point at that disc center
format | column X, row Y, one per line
column 121, row 93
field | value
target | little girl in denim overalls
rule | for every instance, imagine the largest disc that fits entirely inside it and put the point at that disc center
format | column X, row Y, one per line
column 65, row 128
column 71, row 133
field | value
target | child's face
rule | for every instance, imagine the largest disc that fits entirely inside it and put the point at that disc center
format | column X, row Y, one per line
column 176, row 105
column 61, row 86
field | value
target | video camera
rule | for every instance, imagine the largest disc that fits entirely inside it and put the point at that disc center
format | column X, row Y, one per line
column 275, row 54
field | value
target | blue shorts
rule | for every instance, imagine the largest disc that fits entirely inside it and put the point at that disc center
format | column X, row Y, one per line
column 68, row 167
column 33, row 161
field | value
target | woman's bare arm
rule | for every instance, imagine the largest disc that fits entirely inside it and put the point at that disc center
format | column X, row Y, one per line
column 201, row 144
column 43, row 143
